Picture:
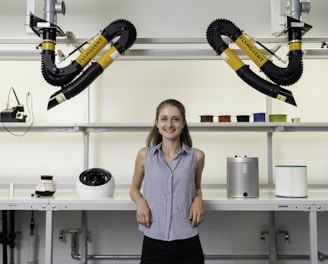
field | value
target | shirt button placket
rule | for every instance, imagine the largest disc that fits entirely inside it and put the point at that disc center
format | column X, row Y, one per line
column 169, row 200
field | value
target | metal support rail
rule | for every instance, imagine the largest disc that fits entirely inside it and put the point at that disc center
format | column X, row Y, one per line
column 207, row 256
column 170, row 48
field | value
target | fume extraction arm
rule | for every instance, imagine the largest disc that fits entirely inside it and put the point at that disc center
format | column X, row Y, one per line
column 279, row 76
column 120, row 34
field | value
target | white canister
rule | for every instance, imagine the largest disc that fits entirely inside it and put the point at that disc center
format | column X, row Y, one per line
column 95, row 183
column 291, row 181
column 46, row 186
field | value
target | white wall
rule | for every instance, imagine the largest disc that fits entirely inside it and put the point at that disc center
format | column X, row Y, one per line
column 129, row 91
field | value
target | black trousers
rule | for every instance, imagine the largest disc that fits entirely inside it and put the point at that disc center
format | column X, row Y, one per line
column 185, row 251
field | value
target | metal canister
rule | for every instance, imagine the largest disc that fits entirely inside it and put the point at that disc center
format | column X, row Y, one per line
column 242, row 177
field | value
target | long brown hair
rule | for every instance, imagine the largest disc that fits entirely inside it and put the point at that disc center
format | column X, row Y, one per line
column 154, row 137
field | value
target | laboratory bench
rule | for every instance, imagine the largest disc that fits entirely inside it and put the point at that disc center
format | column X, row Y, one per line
column 215, row 199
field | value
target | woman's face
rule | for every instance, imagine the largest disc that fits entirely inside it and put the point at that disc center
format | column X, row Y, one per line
column 170, row 122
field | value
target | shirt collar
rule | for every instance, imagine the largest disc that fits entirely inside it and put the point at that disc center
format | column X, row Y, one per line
column 157, row 148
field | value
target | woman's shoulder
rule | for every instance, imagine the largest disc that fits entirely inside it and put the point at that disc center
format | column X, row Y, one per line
column 200, row 154
column 142, row 152
column 200, row 159
column 195, row 151
column 141, row 156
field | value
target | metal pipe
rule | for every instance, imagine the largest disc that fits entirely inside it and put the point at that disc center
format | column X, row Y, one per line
column 272, row 239
column 321, row 257
column 4, row 237
column 295, row 9
column 84, row 237
column 51, row 9
column 11, row 237
column 207, row 257
column 67, row 231
column 77, row 256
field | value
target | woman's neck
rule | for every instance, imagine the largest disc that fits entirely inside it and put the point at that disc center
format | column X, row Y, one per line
column 171, row 148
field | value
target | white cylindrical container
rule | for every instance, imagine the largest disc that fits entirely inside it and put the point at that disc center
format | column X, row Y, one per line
column 11, row 190
column 291, row 181
column 95, row 183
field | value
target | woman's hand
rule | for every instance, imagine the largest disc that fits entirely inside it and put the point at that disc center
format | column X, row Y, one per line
column 196, row 212
column 143, row 213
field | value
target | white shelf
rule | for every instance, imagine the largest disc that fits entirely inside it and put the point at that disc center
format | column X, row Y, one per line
column 145, row 127
column 46, row 127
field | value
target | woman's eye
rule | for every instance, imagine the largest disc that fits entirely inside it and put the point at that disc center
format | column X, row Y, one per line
column 164, row 119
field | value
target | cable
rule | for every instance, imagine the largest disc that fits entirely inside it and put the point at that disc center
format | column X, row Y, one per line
column 7, row 104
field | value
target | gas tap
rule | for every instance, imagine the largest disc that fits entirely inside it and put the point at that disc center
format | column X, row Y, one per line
column 286, row 235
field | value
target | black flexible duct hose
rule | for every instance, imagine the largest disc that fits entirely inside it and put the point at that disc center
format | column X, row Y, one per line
column 77, row 86
column 280, row 76
column 66, row 77
column 53, row 75
column 54, row 79
column 294, row 70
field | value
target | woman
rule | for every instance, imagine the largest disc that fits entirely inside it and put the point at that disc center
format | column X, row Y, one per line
column 170, row 207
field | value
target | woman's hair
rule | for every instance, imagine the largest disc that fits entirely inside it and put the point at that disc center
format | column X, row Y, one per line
column 154, row 137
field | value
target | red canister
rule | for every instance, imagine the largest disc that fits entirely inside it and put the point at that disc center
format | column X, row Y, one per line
column 224, row 118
